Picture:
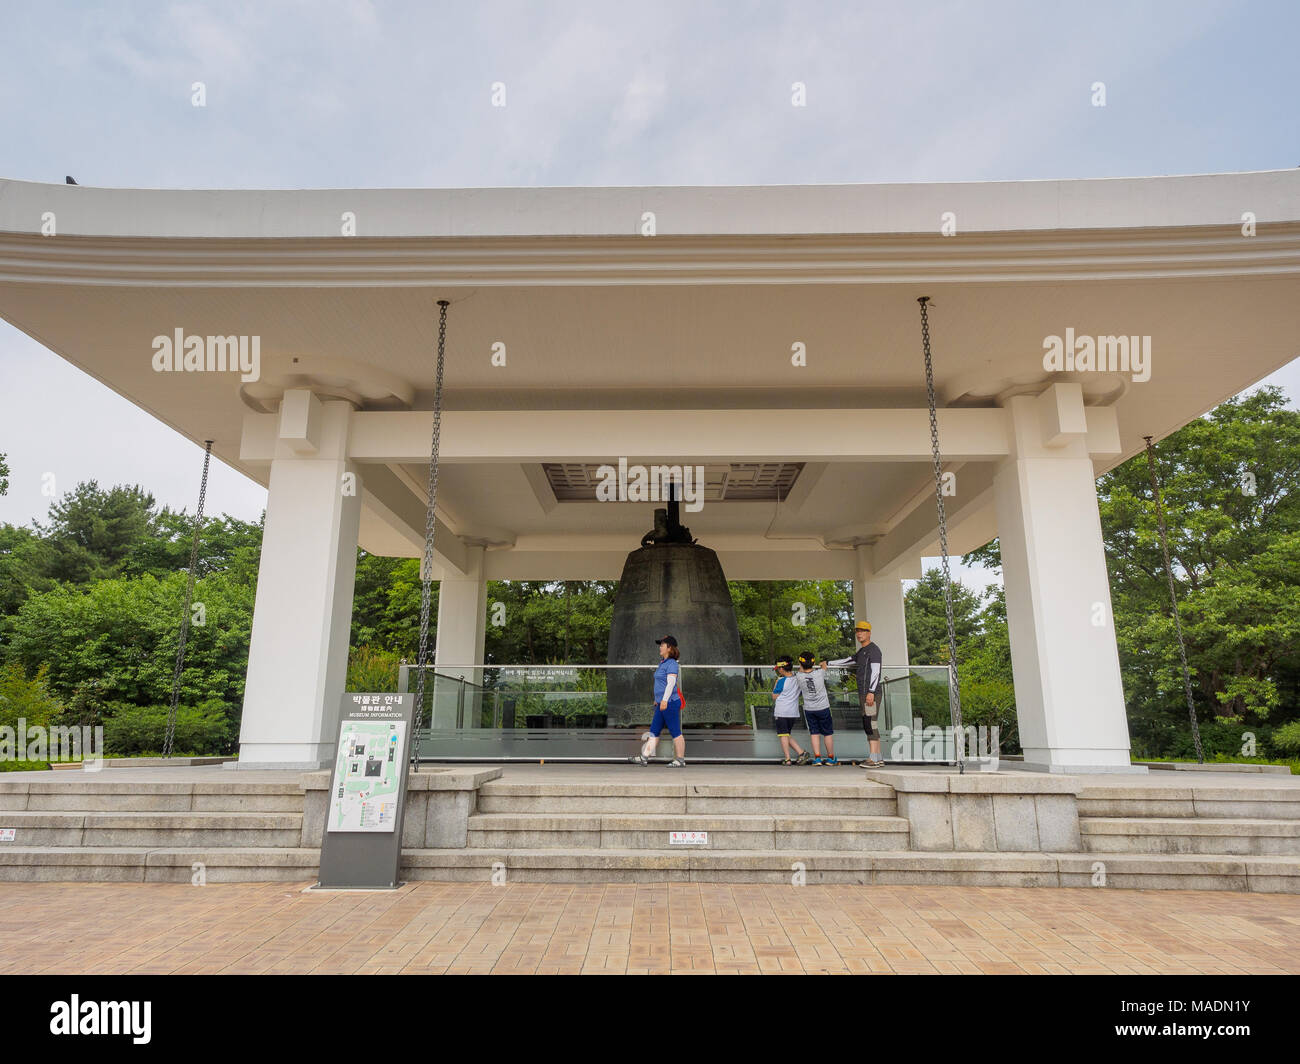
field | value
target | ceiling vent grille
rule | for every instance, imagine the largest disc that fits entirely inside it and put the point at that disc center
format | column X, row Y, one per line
column 736, row 482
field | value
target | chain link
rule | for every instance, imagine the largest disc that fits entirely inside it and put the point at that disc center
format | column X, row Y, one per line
column 185, row 613
column 954, row 689
column 430, row 527
column 1173, row 599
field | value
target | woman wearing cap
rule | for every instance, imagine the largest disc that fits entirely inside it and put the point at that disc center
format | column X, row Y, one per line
column 668, row 704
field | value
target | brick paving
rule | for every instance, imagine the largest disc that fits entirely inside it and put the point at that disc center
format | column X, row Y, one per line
column 541, row 929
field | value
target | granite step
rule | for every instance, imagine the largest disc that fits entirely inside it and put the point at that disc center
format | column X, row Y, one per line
column 151, row 829
column 137, row 864
column 650, row 831
column 1261, row 874
column 1249, row 803
column 855, row 797
column 1267, row 874
column 1206, row 835
column 94, row 794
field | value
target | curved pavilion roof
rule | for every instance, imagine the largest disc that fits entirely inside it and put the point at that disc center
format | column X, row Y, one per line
column 701, row 316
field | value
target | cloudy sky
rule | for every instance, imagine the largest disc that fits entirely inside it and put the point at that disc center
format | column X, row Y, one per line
column 353, row 93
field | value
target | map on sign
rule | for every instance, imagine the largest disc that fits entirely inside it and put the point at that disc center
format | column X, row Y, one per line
column 367, row 776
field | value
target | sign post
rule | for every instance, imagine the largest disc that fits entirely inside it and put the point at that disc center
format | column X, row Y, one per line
column 361, row 848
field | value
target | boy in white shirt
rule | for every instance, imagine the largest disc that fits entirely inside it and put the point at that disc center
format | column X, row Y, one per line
column 786, row 709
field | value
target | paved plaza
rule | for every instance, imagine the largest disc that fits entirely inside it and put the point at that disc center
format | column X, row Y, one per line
column 532, row 928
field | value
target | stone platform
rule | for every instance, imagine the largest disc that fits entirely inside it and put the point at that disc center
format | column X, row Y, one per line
column 569, row 823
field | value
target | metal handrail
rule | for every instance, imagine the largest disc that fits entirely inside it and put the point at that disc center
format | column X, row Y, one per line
column 651, row 665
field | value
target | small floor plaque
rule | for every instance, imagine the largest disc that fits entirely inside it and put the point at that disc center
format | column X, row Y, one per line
column 688, row 838
column 8, row 834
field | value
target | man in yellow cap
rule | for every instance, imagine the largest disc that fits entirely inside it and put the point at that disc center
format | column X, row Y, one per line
column 868, row 661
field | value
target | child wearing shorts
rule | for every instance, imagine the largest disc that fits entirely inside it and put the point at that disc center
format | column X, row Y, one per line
column 786, row 709
column 816, row 707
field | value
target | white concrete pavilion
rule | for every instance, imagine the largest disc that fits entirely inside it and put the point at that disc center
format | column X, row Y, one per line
column 672, row 348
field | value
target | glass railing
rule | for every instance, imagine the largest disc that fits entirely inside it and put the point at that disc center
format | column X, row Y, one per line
column 500, row 712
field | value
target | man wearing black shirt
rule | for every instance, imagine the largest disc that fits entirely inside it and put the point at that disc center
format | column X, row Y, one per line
column 868, row 661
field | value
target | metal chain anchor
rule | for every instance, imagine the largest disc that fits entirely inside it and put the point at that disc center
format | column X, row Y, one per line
column 185, row 613
column 430, row 527
column 954, row 690
column 1173, row 599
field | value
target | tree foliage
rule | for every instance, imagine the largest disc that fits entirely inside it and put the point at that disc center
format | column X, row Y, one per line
column 1232, row 511
column 790, row 616
column 1228, row 482
column 119, row 638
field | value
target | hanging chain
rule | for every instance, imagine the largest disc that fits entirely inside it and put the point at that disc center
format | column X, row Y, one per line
column 185, row 612
column 430, row 526
column 954, row 690
column 1173, row 599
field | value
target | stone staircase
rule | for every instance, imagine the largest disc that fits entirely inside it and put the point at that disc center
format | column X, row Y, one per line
column 826, row 827
column 1204, row 836
column 529, row 816
column 80, row 826
column 1209, row 821
column 833, row 828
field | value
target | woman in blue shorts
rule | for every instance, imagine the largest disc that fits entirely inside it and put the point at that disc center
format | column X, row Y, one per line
column 668, row 704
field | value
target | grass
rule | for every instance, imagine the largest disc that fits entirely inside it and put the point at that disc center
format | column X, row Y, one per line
column 36, row 766
column 23, row 766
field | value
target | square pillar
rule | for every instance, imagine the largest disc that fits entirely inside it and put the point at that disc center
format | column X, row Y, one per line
column 1069, row 696
column 879, row 599
column 462, row 625
column 302, row 615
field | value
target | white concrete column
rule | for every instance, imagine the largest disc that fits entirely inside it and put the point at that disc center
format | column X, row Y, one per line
column 462, row 624
column 302, row 615
column 879, row 599
column 1069, row 697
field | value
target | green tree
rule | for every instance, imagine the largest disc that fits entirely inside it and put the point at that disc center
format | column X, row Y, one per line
column 92, row 532
column 26, row 697
column 386, row 605
column 1228, row 484
column 549, row 621
column 226, row 544
column 25, row 562
column 118, row 638
column 791, row 616
column 927, row 619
